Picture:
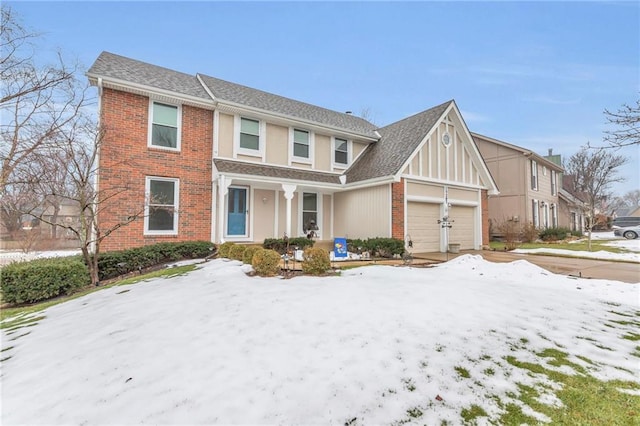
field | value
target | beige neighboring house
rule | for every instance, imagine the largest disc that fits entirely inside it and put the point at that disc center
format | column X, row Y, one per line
column 573, row 212
column 528, row 183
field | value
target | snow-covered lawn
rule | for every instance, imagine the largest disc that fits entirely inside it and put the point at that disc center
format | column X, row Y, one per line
column 217, row 346
column 631, row 245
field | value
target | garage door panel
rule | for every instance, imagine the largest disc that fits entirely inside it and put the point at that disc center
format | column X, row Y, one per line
column 423, row 227
column 463, row 228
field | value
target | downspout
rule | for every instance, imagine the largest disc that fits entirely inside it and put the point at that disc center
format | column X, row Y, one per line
column 96, row 176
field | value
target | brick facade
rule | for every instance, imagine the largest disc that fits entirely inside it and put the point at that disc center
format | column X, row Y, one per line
column 485, row 217
column 397, row 210
column 126, row 160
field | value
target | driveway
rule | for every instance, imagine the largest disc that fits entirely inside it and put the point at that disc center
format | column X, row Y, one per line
column 585, row 268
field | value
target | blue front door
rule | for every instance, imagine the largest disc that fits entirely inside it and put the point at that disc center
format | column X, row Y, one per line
column 237, row 212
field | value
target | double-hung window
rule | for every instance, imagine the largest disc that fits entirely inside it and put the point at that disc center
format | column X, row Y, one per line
column 534, row 175
column 341, row 152
column 165, row 126
column 162, row 206
column 554, row 183
column 249, row 134
column 535, row 214
column 310, row 212
column 300, row 143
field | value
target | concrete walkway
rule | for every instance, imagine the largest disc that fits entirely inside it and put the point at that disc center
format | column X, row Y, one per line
column 585, row 268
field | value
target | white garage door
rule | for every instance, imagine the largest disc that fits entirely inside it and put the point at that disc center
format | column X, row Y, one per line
column 423, row 227
column 463, row 229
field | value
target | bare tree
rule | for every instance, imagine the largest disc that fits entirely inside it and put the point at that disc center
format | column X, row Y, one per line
column 593, row 172
column 630, row 200
column 77, row 147
column 35, row 101
column 627, row 123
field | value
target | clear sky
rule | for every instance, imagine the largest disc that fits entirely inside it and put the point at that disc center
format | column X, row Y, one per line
column 535, row 74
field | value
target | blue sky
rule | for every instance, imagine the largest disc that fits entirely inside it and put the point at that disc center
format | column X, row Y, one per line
column 535, row 74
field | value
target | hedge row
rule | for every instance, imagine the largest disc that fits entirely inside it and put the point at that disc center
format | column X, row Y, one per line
column 28, row 282
column 378, row 247
column 115, row 263
column 280, row 245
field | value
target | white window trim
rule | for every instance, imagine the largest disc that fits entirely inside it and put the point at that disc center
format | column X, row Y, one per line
column 319, row 213
column 535, row 211
column 150, row 127
column 534, row 175
column 237, row 149
column 335, row 165
column 554, row 183
column 303, row 160
column 176, row 206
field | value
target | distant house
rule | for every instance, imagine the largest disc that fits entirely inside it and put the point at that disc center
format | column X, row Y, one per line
column 528, row 182
column 215, row 160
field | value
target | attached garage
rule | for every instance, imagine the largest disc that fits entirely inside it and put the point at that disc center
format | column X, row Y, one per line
column 463, row 229
column 423, row 226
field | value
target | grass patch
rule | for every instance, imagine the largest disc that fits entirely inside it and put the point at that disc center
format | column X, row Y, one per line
column 582, row 245
column 472, row 413
column 37, row 307
column 462, row 372
column 586, row 400
column 632, row 336
column 489, row 372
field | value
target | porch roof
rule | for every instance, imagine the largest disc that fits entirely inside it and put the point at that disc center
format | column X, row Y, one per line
column 262, row 170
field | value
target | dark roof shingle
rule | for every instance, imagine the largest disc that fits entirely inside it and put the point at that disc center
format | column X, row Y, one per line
column 257, row 169
column 243, row 95
column 399, row 140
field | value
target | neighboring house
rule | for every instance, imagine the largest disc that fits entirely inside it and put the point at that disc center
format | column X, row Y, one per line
column 572, row 210
column 213, row 160
column 528, row 182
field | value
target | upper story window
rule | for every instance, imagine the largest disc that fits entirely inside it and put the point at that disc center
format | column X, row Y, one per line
column 161, row 216
column 554, row 183
column 341, row 152
column 165, row 126
column 249, row 134
column 534, row 175
column 300, row 143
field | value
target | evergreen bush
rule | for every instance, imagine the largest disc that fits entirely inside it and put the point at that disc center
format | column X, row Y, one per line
column 280, row 245
column 41, row 279
column 266, row 262
column 224, row 248
column 247, row 257
column 236, row 251
column 316, row 261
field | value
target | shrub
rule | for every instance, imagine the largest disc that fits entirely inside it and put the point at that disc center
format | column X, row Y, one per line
column 28, row 282
column 116, row 263
column 279, row 244
column 224, row 249
column 266, row 262
column 576, row 233
column 554, row 234
column 510, row 231
column 247, row 257
column 237, row 251
column 380, row 247
column 529, row 233
column 316, row 261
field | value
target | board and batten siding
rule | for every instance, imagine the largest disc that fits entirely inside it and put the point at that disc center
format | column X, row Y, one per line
column 363, row 213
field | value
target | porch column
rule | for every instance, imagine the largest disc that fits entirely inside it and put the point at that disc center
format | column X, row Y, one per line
column 288, row 195
column 223, row 189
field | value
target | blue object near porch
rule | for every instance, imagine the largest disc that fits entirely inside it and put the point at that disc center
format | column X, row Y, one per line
column 340, row 247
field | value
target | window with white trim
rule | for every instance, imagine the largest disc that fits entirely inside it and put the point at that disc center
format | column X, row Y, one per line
column 554, row 215
column 554, row 183
column 341, row 152
column 249, row 134
column 301, row 143
column 535, row 214
column 164, row 126
column 534, row 175
column 310, row 212
column 161, row 215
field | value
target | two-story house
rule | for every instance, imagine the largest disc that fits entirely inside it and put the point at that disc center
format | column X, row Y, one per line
column 528, row 182
column 210, row 159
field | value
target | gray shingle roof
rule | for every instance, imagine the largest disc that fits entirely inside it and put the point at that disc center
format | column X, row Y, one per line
column 243, row 95
column 130, row 70
column 257, row 169
column 399, row 140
